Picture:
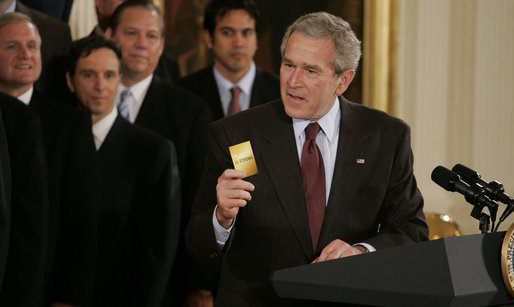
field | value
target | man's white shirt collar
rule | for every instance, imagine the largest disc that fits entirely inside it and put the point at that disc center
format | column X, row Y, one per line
column 11, row 8
column 329, row 123
column 103, row 126
column 25, row 97
column 138, row 91
column 245, row 84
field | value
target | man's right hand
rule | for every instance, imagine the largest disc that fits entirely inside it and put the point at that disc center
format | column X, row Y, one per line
column 232, row 193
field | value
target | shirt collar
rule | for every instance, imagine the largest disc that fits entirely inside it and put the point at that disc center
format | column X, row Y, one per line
column 139, row 89
column 103, row 126
column 245, row 83
column 11, row 8
column 25, row 97
column 329, row 123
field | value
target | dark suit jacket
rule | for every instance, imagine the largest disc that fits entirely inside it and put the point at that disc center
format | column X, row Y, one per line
column 59, row 9
column 72, row 174
column 23, row 276
column 266, row 88
column 139, row 216
column 376, row 202
column 167, row 68
column 182, row 118
column 55, row 44
column 5, row 198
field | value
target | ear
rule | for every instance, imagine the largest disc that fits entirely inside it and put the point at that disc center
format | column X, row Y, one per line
column 209, row 41
column 70, row 82
column 108, row 33
column 344, row 81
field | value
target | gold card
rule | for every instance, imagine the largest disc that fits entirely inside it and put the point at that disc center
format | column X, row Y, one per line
column 243, row 159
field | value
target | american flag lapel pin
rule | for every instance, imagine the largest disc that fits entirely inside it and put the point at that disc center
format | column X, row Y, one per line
column 361, row 161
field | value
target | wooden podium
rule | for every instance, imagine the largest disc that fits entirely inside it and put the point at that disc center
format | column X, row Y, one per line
column 457, row 271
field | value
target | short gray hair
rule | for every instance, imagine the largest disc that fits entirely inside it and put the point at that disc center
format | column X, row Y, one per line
column 324, row 25
column 15, row 17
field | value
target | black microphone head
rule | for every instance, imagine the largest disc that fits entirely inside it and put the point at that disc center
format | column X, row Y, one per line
column 468, row 175
column 445, row 178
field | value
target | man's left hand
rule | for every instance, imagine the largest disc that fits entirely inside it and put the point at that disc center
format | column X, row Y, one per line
column 339, row 249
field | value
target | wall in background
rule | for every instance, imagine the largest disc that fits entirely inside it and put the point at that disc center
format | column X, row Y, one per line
column 456, row 90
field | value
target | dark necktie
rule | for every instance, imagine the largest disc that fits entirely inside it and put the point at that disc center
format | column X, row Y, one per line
column 234, row 105
column 313, row 177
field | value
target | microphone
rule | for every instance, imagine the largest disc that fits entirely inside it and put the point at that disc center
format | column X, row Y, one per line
column 494, row 189
column 473, row 194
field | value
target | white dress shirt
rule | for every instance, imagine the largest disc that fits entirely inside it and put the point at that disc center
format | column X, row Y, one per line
column 25, row 97
column 11, row 8
column 102, row 127
column 327, row 140
column 245, row 84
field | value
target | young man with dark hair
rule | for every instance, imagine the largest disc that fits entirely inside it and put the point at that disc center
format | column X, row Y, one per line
column 139, row 211
column 234, row 83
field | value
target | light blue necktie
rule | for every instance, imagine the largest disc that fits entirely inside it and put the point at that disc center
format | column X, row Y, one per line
column 123, row 106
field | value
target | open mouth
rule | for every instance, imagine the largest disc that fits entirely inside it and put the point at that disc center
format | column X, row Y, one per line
column 294, row 97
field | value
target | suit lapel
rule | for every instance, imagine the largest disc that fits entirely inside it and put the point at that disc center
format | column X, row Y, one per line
column 22, row 9
column 280, row 159
column 255, row 89
column 347, row 172
column 147, row 109
column 38, row 105
column 113, row 140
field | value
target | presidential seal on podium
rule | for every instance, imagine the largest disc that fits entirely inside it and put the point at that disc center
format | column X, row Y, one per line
column 507, row 256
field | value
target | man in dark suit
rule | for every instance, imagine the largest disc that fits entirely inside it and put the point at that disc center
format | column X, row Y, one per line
column 24, row 269
column 172, row 112
column 57, row 39
column 167, row 69
column 166, row 109
column 140, row 194
column 230, row 31
column 5, row 199
column 70, row 156
column 334, row 178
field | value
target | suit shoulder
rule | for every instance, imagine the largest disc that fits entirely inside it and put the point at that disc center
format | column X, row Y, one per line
column 147, row 139
column 179, row 96
column 138, row 132
column 17, row 117
column 195, row 80
column 267, row 77
column 12, row 107
column 42, row 19
column 257, row 115
column 374, row 119
column 49, row 109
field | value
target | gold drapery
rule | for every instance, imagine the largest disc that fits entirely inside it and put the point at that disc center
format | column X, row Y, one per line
column 380, row 82
column 160, row 4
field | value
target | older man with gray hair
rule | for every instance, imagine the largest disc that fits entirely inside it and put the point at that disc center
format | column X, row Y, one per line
column 71, row 234
column 334, row 178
